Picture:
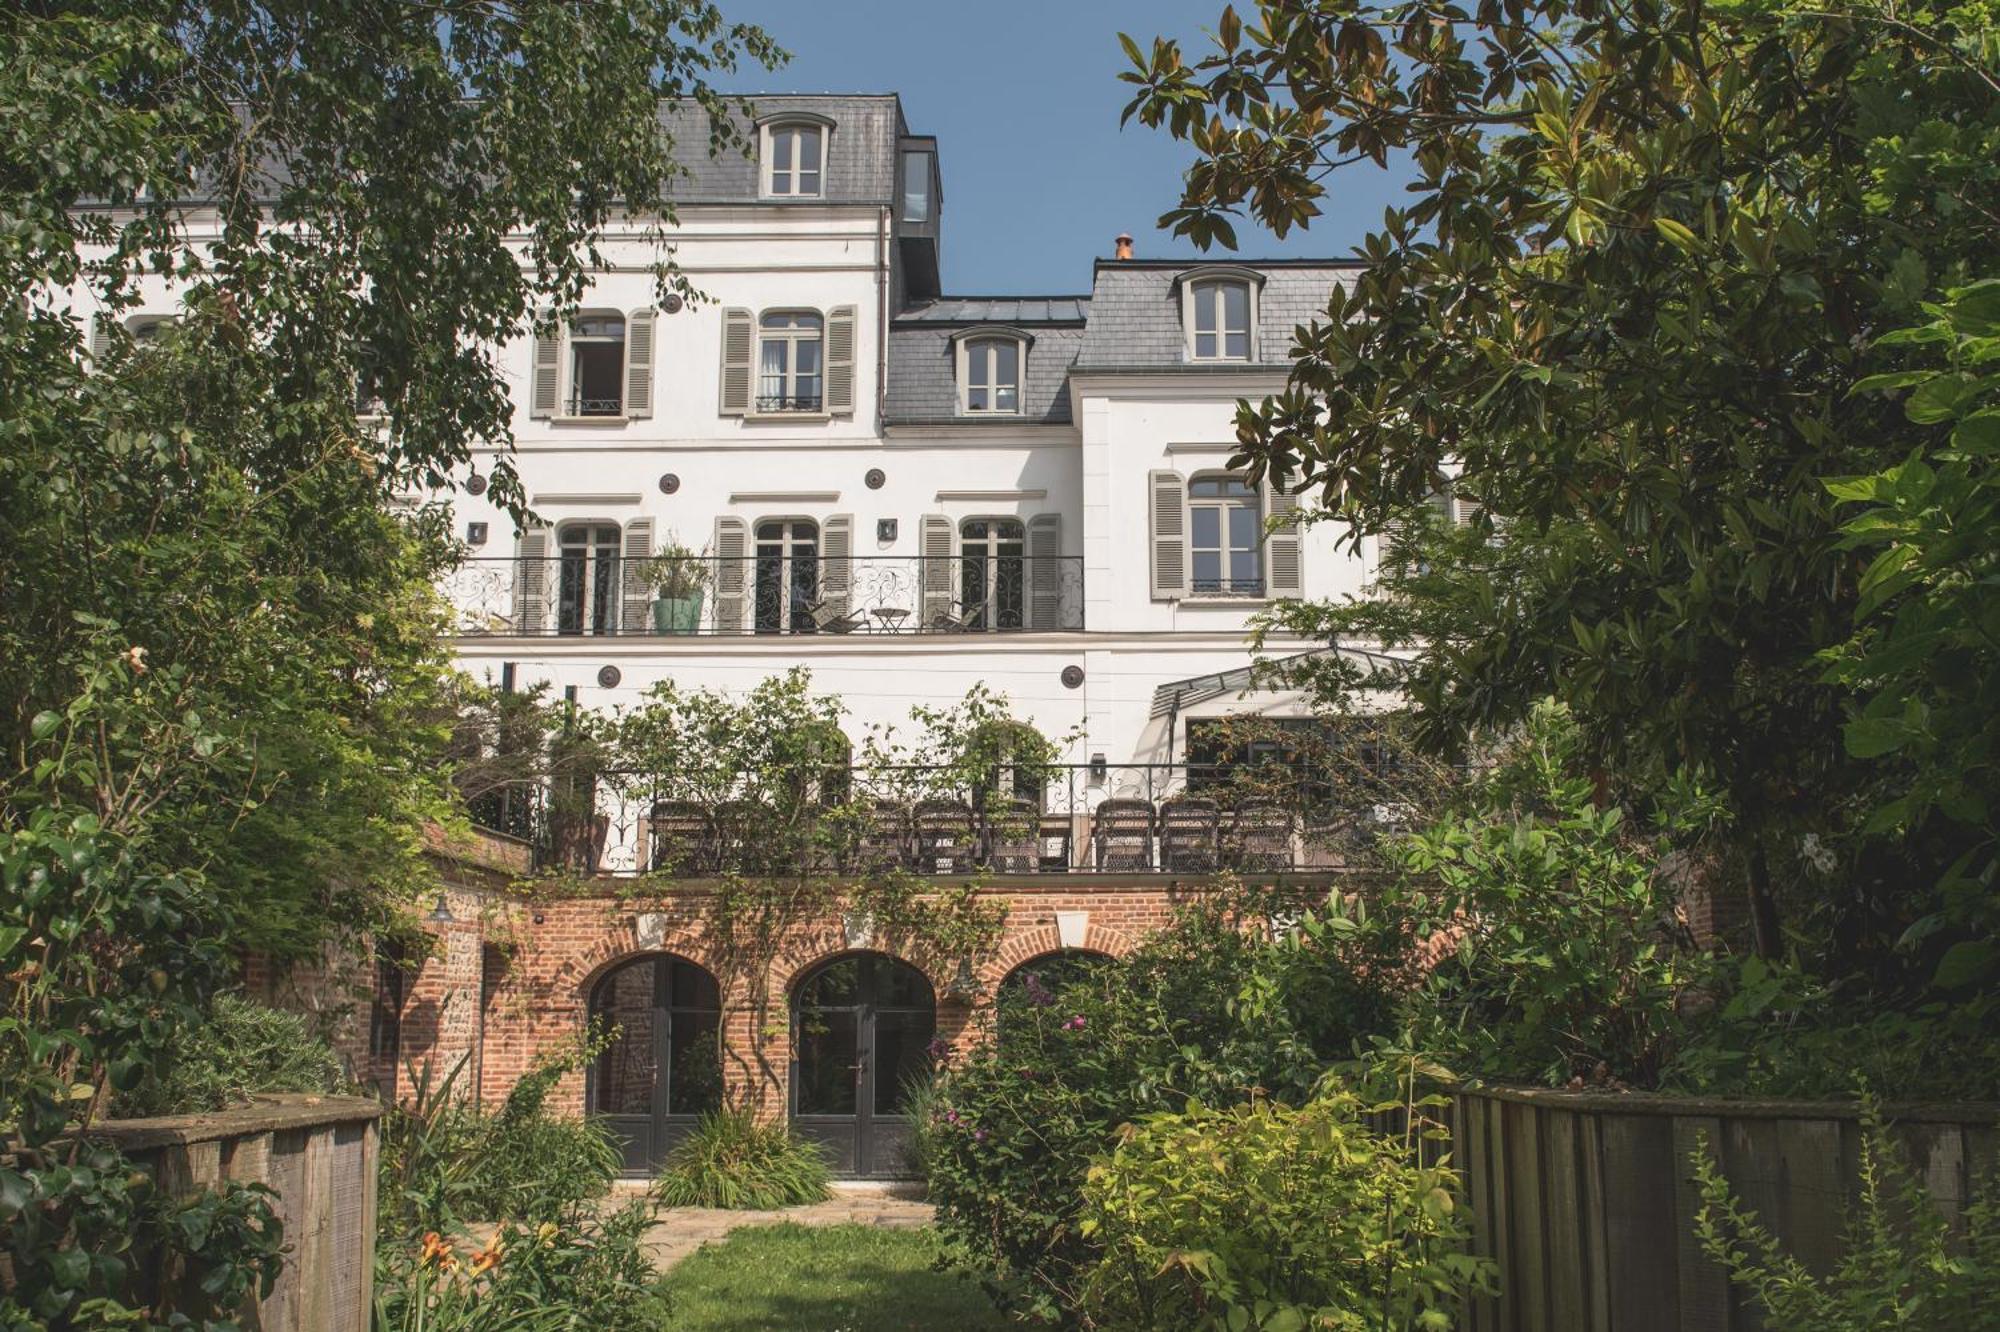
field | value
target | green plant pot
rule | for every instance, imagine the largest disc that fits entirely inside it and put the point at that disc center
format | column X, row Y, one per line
column 677, row 615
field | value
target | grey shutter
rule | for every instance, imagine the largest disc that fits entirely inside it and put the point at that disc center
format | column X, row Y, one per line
column 840, row 359
column 531, row 582
column 100, row 336
column 836, row 570
column 1284, row 543
column 639, row 364
column 739, row 344
column 546, row 385
column 635, row 581
column 732, row 575
column 939, row 567
column 1166, row 497
column 1045, row 572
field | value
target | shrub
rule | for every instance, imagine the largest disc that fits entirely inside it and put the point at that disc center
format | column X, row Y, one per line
column 1259, row 1216
column 242, row 1048
column 1208, row 1008
column 732, row 1160
column 1902, row 1265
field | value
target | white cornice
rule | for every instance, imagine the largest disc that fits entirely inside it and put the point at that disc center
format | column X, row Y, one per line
column 784, row 496
column 946, row 496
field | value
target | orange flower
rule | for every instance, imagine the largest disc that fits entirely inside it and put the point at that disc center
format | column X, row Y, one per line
column 489, row 1257
column 435, row 1250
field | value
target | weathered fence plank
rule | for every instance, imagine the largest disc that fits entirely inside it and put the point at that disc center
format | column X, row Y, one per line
column 319, row 1154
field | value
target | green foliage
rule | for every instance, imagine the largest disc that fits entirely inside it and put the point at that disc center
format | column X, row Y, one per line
column 1647, row 255
column 1207, row 1008
column 1567, row 961
column 1904, row 1264
column 238, row 1049
column 731, row 1159
column 1260, row 1216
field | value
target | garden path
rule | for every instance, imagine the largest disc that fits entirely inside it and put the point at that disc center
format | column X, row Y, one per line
column 681, row 1230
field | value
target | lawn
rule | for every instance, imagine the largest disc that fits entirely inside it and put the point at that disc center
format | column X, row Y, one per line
column 823, row 1279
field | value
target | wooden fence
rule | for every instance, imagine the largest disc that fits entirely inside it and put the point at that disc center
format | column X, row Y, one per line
column 318, row 1153
column 1586, row 1200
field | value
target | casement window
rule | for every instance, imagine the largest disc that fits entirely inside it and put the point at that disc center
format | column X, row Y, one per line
column 587, row 578
column 599, row 368
column 1219, row 535
column 788, row 362
column 794, row 155
column 1225, row 537
column 989, row 376
column 1220, row 319
column 790, row 375
column 594, row 581
column 916, row 168
column 786, row 577
column 993, row 583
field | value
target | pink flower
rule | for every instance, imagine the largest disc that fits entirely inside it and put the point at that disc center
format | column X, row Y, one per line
column 1074, row 1024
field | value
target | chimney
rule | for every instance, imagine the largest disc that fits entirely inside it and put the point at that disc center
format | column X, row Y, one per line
column 1124, row 244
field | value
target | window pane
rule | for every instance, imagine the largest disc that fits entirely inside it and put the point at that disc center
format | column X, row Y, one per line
column 978, row 365
column 1006, row 399
column 1243, row 572
column 808, row 182
column 809, row 144
column 1207, row 527
column 1242, row 527
column 900, row 1057
column 1204, row 308
column 827, row 1055
column 808, row 356
column 1237, row 346
column 694, row 1063
column 781, row 152
column 773, row 378
column 1204, row 346
column 1235, row 307
column 975, row 399
column 1207, row 570
column 1006, row 359
column 916, row 187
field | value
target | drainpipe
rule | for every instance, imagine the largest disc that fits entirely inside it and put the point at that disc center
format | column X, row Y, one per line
column 881, row 313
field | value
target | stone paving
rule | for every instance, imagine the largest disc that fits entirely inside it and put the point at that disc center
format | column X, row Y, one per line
column 682, row 1230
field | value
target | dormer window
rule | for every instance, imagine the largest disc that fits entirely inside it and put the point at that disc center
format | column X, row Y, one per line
column 989, row 373
column 1218, row 319
column 794, row 160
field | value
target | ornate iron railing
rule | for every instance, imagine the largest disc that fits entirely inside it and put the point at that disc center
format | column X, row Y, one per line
column 588, row 593
column 1142, row 818
column 788, row 402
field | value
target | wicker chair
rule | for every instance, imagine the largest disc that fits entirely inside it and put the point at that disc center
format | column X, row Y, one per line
column 684, row 840
column 884, row 843
column 1190, row 829
column 945, row 836
column 736, row 825
column 1259, row 837
column 1121, row 832
column 1014, row 836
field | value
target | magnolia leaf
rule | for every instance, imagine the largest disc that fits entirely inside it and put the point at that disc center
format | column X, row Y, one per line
column 1964, row 964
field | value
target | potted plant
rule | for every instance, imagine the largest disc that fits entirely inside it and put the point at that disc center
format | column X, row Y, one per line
column 679, row 577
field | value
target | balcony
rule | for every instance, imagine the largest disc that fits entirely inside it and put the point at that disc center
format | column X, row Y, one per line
column 593, row 593
column 1059, row 819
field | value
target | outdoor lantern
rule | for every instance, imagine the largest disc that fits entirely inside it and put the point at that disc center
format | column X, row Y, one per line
column 441, row 913
column 1098, row 769
column 963, row 983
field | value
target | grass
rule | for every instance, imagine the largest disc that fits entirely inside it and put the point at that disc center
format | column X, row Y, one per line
column 793, row 1278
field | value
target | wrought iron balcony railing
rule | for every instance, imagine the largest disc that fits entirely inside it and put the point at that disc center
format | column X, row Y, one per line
column 591, row 593
column 1250, row 817
column 788, row 402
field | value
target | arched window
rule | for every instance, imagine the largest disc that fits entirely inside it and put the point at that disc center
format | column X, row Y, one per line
column 990, row 368
column 1037, row 980
column 794, row 154
column 1219, row 313
column 862, row 1027
column 597, row 365
column 663, row 1067
column 790, row 371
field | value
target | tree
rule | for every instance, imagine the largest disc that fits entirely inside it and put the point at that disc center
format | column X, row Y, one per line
column 1650, row 250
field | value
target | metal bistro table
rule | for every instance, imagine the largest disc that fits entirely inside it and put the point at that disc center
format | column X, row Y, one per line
column 888, row 619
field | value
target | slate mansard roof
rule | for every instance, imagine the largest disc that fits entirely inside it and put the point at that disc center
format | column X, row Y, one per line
column 1135, row 311
column 923, row 363
column 860, row 162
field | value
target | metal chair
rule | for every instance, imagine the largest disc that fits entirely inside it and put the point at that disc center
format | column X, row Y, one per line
column 1259, row 837
column 1121, row 833
column 884, row 841
column 684, row 840
column 737, row 836
column 1190, row 830
column 1013, row 836
column 828, row 618
column 945, row 836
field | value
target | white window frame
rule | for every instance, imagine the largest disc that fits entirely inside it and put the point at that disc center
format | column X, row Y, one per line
column 143, row 329
column 1222, row 504
column 792, row 338
column 970, row 347
column 769, row 135
column 789, row 544
column 981, row 617
column 1206, row 287
column 599, row 562
column 568, row 404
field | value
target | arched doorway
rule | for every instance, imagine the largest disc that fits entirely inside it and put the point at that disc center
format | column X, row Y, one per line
column 861, row 1032
column 663, row 1069
column 1036, row 981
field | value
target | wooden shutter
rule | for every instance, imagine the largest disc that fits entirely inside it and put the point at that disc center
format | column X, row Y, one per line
column 546, row 386
column 1045, row 572
column 939, row 590
column 1284, row 543
column 840, row 359
column 532, row 582
column 1166, row 495
column 634, row 579
column 739, row 349
column 100, row 336
column 639, row 364
column 732, row 575
column 836, row 570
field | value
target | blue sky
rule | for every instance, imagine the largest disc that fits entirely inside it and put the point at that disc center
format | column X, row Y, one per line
column 1024, row 98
